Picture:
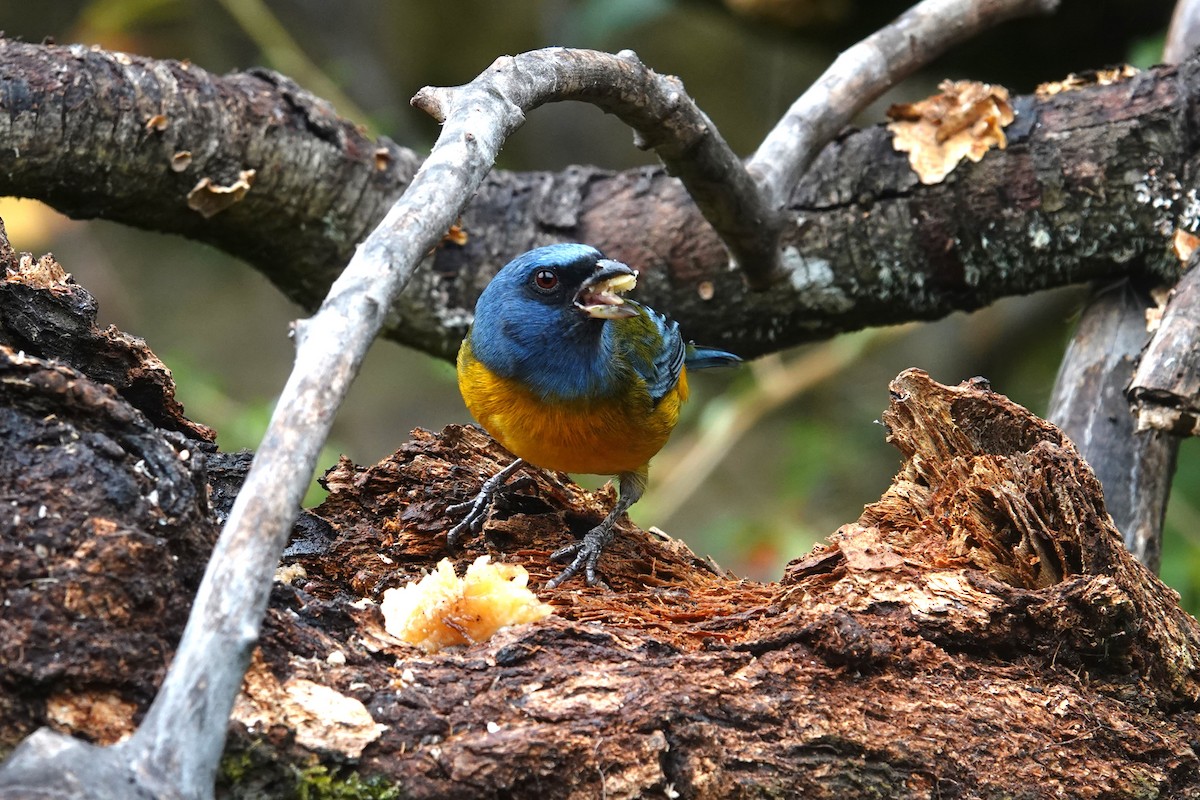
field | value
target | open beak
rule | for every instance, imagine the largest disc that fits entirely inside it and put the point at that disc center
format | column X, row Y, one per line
column 600, row 294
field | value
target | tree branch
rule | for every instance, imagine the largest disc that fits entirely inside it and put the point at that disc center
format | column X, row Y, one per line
column 866, row 71
column 665, row 118
column 1088, row 402
column 78, row 120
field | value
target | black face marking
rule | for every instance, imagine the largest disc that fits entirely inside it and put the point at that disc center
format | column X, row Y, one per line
column 555, row 283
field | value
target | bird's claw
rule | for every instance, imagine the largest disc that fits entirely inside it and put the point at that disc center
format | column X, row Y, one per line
column 477, row 508
column 472, row 523
column 583, row 555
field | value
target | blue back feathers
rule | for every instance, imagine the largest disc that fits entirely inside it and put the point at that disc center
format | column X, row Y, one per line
column 561, row 353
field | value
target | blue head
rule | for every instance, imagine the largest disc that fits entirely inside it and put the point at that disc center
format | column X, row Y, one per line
column 543, row 320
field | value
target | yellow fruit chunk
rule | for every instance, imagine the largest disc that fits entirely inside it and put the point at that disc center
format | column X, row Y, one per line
column 443, row 610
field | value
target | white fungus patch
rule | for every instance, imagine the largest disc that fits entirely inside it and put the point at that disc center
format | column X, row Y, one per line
column 812, row 278
column 1161, row 191
column 1189, row 215
column 1039, row 237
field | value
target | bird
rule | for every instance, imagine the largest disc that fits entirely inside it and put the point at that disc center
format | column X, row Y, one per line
column 568, row 374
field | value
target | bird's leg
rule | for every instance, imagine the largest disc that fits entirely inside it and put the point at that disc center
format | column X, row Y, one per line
column 584, row 554
column 477, row 508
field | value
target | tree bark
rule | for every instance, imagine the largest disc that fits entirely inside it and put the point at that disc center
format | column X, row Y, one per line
column 1136, row 467
column 128, row 138
column 986, row 591
column 106, row 523
column 1166, row 386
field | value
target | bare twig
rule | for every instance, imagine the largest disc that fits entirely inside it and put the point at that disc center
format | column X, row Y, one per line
column 863, row 73
column 665, row 118
column 1166, row 385
column 204, row 679
column 747, row 212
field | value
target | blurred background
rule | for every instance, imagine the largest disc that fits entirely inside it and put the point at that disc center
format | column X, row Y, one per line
column 768, row 459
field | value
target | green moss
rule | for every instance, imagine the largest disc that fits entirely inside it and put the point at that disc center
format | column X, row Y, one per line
column 318, row 782
column 254, row 771
column 235, row 766
column 1143, row 783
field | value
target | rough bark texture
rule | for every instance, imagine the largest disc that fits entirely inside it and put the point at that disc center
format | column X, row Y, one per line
column 103, row 134
column 1166, row 386
column 105, row 525
column 48, row 315
column 979, row 632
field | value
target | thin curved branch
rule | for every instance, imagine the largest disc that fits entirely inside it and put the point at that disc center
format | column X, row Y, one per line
column 199, row 690
column 863, row 73
column 745, row 207
column 666, row 119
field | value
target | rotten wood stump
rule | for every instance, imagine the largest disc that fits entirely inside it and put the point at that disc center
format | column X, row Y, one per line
column 980, row 631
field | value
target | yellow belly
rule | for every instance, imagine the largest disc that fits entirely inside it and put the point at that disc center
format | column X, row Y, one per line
column 601, row 437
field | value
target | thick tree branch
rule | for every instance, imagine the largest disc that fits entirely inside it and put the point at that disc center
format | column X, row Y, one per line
column 867, row 243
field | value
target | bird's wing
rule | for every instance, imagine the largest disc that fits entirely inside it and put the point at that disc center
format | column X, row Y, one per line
column 654, row 348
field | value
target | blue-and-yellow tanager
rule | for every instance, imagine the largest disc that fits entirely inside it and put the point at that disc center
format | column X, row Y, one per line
column 569, row 375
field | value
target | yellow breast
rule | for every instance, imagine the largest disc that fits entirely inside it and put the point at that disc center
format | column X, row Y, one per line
column 604, row 436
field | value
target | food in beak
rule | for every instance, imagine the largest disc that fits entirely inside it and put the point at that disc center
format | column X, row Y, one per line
column 600, row 295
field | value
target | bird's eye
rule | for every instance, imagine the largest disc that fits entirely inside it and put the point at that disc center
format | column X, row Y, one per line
column 545, row 279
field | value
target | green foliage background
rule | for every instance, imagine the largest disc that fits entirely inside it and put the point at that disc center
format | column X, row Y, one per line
column 811, row 457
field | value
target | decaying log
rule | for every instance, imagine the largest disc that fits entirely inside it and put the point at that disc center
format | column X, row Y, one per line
column 980, row 631
column 986, row 592
column 104, row 532
column 48, row 315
